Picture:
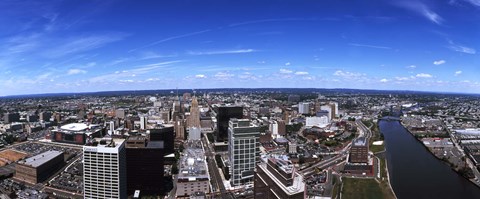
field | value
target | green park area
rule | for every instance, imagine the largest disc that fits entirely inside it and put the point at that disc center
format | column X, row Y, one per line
column 357, row 188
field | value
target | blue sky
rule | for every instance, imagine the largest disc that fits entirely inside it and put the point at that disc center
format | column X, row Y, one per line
column 82, row 46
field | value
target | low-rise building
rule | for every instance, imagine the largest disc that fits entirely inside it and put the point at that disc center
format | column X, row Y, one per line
column 39, row 168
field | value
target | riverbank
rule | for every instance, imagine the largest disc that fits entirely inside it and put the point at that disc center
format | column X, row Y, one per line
column 444, row 160
column 384, row 178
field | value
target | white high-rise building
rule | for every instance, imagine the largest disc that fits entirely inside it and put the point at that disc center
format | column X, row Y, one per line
column 143, row 122
column 304, row 108
column 111, row 130
column 104, row 169
column 329, row 109
column 273, row 127
column 243, row 150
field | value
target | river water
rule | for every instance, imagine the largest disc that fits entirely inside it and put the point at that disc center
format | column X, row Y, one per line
column 416, row 173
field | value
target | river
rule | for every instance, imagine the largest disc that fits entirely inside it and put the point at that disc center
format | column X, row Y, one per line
column 416, row 173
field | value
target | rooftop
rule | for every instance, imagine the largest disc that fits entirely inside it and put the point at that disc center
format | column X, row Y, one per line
column 40, row 159
column 193, row 165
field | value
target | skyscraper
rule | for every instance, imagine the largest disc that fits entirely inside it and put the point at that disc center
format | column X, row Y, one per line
column 243, row 150
column 104, row 169
column 194, row 118
column 224, row 114
column 304, row 108
column 144, row 166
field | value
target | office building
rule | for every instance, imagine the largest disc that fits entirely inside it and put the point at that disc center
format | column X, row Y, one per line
column 120, row 113
column 38, row 168
column 32, row 118
column 104, row 169
column 145, row 166
column 163, row 133
column 179, row 126
column 11, row 117
column 45, row 116
column 329, row 109
column 193, row 176
column 224, row 114
column 243, row 150
column 143, row 122
column 359, row 151
column 194, row 118
column 276, row 178
column 304, row 108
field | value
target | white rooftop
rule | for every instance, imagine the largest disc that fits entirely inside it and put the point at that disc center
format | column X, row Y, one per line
column 76, row 127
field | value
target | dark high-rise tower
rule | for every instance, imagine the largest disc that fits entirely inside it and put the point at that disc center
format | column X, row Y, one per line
column 144, row 166
column 224, row 114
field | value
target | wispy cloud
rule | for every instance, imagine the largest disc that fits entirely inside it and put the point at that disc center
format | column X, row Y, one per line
column 171, row 38
column 221, row 52
column 370, row 46
column 223, row 76
column 421, row 9
column 76, row 71
column 271, row 20
column 457, row 73
column 474, row 2
column 411, row 66
column 154, row 55
column 82, row 44
column 384, row 80
column 439, row 62
column 138, row 70
column 347, row 74
column 460, row 48
column 423, row 75
column 285, row 71
column 301, row 73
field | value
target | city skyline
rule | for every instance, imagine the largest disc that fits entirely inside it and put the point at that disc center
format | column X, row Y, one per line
column 109, row 45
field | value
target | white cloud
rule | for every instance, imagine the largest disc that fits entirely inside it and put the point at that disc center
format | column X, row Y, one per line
column 423, row 75
column 76, row 71
column 412, row 66
column 402, row 78
column 301, row 73
column 200, row 76
column 285, row 71
column 439, row 62
column 457, row 73
column 287, row 64
column 221, row 52
column 346, row 74
column 383, row 80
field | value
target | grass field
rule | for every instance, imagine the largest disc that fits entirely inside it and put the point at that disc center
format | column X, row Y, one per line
column 10, row 156
column 357, row 188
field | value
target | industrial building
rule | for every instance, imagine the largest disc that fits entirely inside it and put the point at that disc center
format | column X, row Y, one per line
column 38, row 168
